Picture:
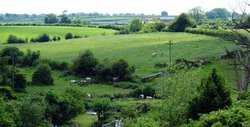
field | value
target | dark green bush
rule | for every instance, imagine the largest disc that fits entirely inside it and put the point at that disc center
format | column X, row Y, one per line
column 19, row 82
column 146, row 91
column 107, row 70
column 85, row 64
column 212, row 96
column 41, row 38
column 42, row 75
column 69, row 36
column 77, row 36
column 55, row 65
column 12, row 39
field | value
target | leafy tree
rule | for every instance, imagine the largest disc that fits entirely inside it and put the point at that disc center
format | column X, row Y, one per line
column 212, row 96
column 69, row 36
column 42, row 75
column 62, row 107
column 122, row 70
column 164, row 13
column 181, row 23
column 50, row 19
column 197, row 14
column 65, row 19
column 85, row 64
column 100, row 106
column 221, row 13
column 135, row 25
column 32, row 114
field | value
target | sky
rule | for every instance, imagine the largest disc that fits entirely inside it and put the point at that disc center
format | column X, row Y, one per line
column 173, row 7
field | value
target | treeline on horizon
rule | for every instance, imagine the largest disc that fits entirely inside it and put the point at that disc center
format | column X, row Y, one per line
column 34, row 17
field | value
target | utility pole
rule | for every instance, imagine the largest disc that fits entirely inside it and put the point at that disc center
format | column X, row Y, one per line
column 170, row 51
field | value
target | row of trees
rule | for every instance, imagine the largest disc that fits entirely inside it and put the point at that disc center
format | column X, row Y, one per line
column 52, row 19
column 12, row 39
column 87, row 65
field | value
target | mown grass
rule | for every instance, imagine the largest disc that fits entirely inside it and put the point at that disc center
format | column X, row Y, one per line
column 85, row 120
column 136, row 49
column 62, row 82
column 34, row 31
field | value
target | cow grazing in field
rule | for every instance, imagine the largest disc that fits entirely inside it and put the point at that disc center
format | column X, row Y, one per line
column 154, row 54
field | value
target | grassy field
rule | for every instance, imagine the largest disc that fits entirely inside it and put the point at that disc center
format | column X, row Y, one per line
column 136, row 48
column 34, row 31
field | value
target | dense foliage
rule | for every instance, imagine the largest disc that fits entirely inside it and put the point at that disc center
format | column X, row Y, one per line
column 221, row 13
column 62, row 107
column 50, row 19
column 41, row 38
column 42, row 75
column 100, row 106
column 69, row 36
column 212, row 96
column 13, row 39
column 135, row 25
column 85, row 64
column 181, row 23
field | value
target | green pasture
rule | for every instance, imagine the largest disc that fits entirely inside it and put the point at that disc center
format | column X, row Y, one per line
column 136, row 48
column 34, row 31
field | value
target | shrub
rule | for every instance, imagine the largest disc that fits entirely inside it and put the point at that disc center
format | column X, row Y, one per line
column 7, row 93
column 69, row 36
column 12, row 39
column 212, row 96
column 77, row 36
column 55, row 65
column 146, row 91
column 124, row 31
column 85, row 64
column 42, row 75
column 54, row 38
column 43, row 38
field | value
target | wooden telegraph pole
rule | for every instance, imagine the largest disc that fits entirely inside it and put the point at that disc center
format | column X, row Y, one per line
column 170, row 51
